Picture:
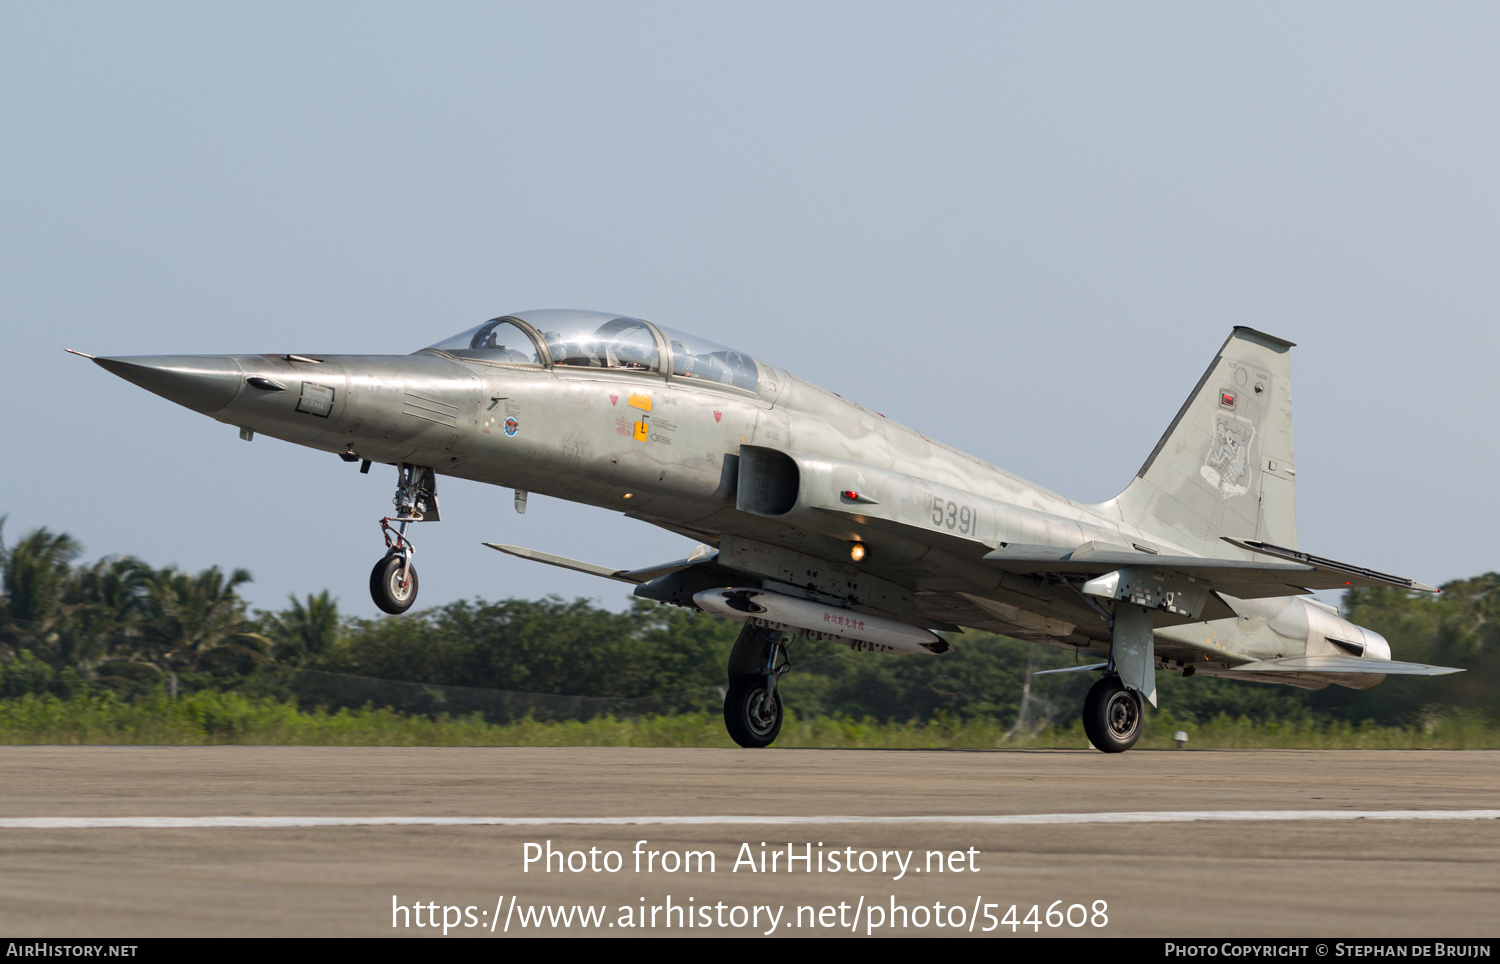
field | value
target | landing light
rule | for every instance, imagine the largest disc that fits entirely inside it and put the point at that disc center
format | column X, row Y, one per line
column 857, row 551
column 629, row 495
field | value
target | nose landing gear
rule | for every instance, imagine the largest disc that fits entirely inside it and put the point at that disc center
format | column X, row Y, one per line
column 393, row 581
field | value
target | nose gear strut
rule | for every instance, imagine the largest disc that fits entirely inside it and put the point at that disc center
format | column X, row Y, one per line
column 393, row 581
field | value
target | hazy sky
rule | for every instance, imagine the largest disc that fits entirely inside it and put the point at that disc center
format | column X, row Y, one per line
column 1021, row 228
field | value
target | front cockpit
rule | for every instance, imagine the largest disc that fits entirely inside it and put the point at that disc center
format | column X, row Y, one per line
column 499, row 341
column 562, row 338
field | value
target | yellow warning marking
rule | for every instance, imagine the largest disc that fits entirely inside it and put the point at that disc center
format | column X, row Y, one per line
column 640, row 400
column 640, row 428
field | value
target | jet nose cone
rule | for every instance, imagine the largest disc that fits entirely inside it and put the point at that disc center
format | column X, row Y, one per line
column 204, row 383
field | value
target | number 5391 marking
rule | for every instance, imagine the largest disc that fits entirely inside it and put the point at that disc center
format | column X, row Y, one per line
column 951, row 515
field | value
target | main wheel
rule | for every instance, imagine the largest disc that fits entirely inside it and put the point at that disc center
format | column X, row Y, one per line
column 750, row 723
column 391, row 592
column 1112, row 716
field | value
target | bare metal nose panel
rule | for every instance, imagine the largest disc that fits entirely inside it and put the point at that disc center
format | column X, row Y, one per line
column 203, row 383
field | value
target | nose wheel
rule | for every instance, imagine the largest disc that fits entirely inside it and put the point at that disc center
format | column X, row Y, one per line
column 393, row 584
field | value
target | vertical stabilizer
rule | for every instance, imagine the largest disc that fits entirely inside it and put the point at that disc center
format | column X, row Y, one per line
column 1224, row 466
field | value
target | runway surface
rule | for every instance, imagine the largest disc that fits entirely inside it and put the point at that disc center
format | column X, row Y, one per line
column 1000, row 829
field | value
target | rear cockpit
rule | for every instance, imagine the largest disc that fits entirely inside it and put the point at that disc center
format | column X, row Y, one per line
column 563, row 338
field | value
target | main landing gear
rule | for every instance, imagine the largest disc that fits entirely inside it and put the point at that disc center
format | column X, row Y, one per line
column 1113, row 716
column 752, row 707
column 393, row 581
column 1114, row 712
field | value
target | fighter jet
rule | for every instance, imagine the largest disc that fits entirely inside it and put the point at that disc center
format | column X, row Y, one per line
column 820, row 518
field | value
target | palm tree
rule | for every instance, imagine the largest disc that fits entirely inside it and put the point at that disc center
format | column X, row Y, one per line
column 198, row 621
column 107, row 606
column 34, row 583
column 304, row 631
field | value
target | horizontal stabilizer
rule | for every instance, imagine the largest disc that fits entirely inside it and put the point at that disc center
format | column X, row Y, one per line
column 1243, row 578
column 1352, row 575
column 1071, row 669
column 1343, row 664
column 632, row 576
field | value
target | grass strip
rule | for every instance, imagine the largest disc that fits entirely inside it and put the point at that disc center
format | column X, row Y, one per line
column 211, row 718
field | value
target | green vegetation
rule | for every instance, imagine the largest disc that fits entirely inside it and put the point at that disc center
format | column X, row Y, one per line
column 117, row 651
column 210, row 717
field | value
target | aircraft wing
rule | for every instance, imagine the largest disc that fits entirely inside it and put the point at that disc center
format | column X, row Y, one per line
column 632, row 576
column 1243, row 578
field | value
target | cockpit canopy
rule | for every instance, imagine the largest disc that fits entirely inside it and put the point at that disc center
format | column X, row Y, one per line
column 496, row 340
column 694, row 357
column 596, row 339
column 592, row 339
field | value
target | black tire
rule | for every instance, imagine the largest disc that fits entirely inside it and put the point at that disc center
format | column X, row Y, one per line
column 1113, row 716
column 387, row 589
column 743, row 717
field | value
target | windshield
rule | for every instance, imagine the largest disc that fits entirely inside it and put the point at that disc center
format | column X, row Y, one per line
column 695, row 358
column 497, row 340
